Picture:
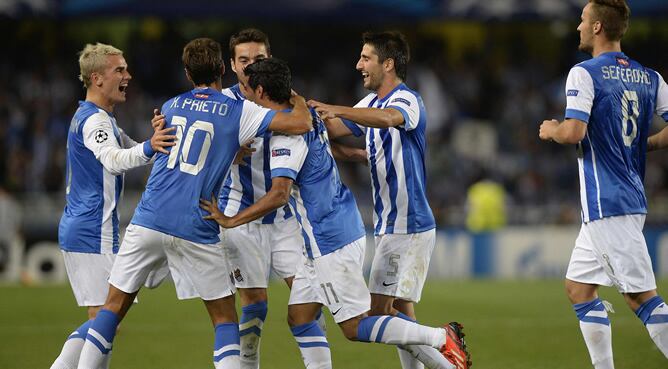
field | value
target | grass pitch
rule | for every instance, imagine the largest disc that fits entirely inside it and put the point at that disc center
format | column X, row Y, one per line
column 509, row 325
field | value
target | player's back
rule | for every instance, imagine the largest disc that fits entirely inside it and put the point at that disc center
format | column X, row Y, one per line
column 209, row 127
column 324, row 206
column 90, row 220
column 612, row 154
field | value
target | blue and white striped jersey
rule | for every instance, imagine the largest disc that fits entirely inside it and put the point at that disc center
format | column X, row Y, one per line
column 396, row 160
column 210, row 129
column 617, row 98
column 246, row 184
column 98, row 153
column 324, row 206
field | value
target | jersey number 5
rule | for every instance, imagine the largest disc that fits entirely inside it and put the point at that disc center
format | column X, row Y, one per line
column 630, row 113
column 184, row 144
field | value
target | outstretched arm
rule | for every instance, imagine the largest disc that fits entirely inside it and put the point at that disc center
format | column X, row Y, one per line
column 278, row 196
column 296, row 122
column 369, row 117
column 570, row 131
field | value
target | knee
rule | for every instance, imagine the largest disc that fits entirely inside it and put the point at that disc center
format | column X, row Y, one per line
column 579, row 292
column 252, row 295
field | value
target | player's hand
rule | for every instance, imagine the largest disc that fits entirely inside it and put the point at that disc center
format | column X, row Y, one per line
column 547, row 128
column 162, row 138
column 215, row 213
column 158, row 120
column 325, row 111
column 244, row 151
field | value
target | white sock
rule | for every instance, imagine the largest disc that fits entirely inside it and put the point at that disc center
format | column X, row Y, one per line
column 595, row 327
column 408, row 361
column 99, row 340
column 320, row 319
column 654, row 314
column 69, row 355
column 430, row 357
column 397, row 331
column 313, row 346
column 226, row 346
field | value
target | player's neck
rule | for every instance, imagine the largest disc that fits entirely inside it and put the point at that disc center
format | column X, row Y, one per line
column 387, row 86
column 100, row 101
column 606, row 47
column 216, row 85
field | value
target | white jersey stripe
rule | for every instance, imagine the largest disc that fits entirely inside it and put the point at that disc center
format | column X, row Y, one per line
column 400, row 223
column 306, row 225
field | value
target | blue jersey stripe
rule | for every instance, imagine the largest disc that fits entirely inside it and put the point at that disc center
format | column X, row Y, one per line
column 246, row 179
column 266, row 167
column 391, row 178
column 377, row 200
column 412, row 179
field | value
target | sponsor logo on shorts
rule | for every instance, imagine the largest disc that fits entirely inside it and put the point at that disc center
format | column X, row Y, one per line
column 337, row 310
column 237, row 275
column 389, row 284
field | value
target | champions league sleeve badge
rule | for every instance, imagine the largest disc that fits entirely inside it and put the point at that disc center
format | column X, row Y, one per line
column 101, row 136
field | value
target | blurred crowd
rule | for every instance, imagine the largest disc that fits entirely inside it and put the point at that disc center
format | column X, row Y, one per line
column 486, row 87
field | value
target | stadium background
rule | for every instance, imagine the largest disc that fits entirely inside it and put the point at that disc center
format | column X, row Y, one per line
column 489, row 72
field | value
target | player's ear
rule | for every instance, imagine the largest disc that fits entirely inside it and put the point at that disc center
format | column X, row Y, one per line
column 96, row 79
column 388, row 64
column 597, row 28
column 232, row 65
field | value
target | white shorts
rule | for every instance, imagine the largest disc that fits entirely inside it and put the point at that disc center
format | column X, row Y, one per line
column 255, row 249
column 612, row 252
column 401, row 263
column 88, row 274
column 145, row 250
column 334, row 280
column 183, row 285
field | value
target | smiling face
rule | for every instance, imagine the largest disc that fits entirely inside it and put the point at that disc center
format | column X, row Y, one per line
column 113, row 80
column 371, row 68
column 244, row 54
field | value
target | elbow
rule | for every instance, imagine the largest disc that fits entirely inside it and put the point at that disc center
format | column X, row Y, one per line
column 280, row 198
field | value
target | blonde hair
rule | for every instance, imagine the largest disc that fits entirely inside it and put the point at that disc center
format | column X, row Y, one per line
column 93, row 58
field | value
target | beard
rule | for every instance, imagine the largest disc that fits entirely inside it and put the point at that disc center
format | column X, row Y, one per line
column 585, row 47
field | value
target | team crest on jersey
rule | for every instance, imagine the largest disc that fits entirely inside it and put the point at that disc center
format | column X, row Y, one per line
column 237, row 275
column 401, row 100
column 280, row 152
column 202, row 96
column 623, row 62
column 101, row 136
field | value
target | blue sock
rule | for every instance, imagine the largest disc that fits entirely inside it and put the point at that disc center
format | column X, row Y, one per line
column 226, row 344
column 365, row 328
column 313, row 345
column 99, row 339
column 103, row 328
column 69, row 355
column 654, row 314
column 82, row 331
column 592, row 312
column 250, row 330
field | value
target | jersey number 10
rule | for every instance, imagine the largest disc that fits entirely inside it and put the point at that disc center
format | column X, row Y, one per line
column 630, row 113
column 183, row 145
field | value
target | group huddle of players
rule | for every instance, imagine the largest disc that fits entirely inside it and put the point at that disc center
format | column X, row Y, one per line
column 244, row 181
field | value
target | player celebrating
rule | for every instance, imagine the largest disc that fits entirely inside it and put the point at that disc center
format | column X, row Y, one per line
column 168, row 223
column 610, row 101
column 98, row 153
column 271, row 242
column 394, row 120
column 331, row 271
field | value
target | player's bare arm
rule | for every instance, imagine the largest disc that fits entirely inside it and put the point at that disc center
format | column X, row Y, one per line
column 658, row 140
column 368, row 117
column 244, row 151
column 570, row 131
column 348, row 153
column 296, row 122
column 278, row 196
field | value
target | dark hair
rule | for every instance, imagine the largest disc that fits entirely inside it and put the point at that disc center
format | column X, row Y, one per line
column 203, row 59
column 273, row 75
column 614, row 15
column 249, row 35
column 390, row 45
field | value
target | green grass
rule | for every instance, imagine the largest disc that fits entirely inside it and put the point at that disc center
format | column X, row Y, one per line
column 509, row 325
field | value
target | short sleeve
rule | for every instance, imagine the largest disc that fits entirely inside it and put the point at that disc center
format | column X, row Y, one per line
column 287, row 155
column 254, row 121
column 662, row 99
column 579, row 94
column 408, row 105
